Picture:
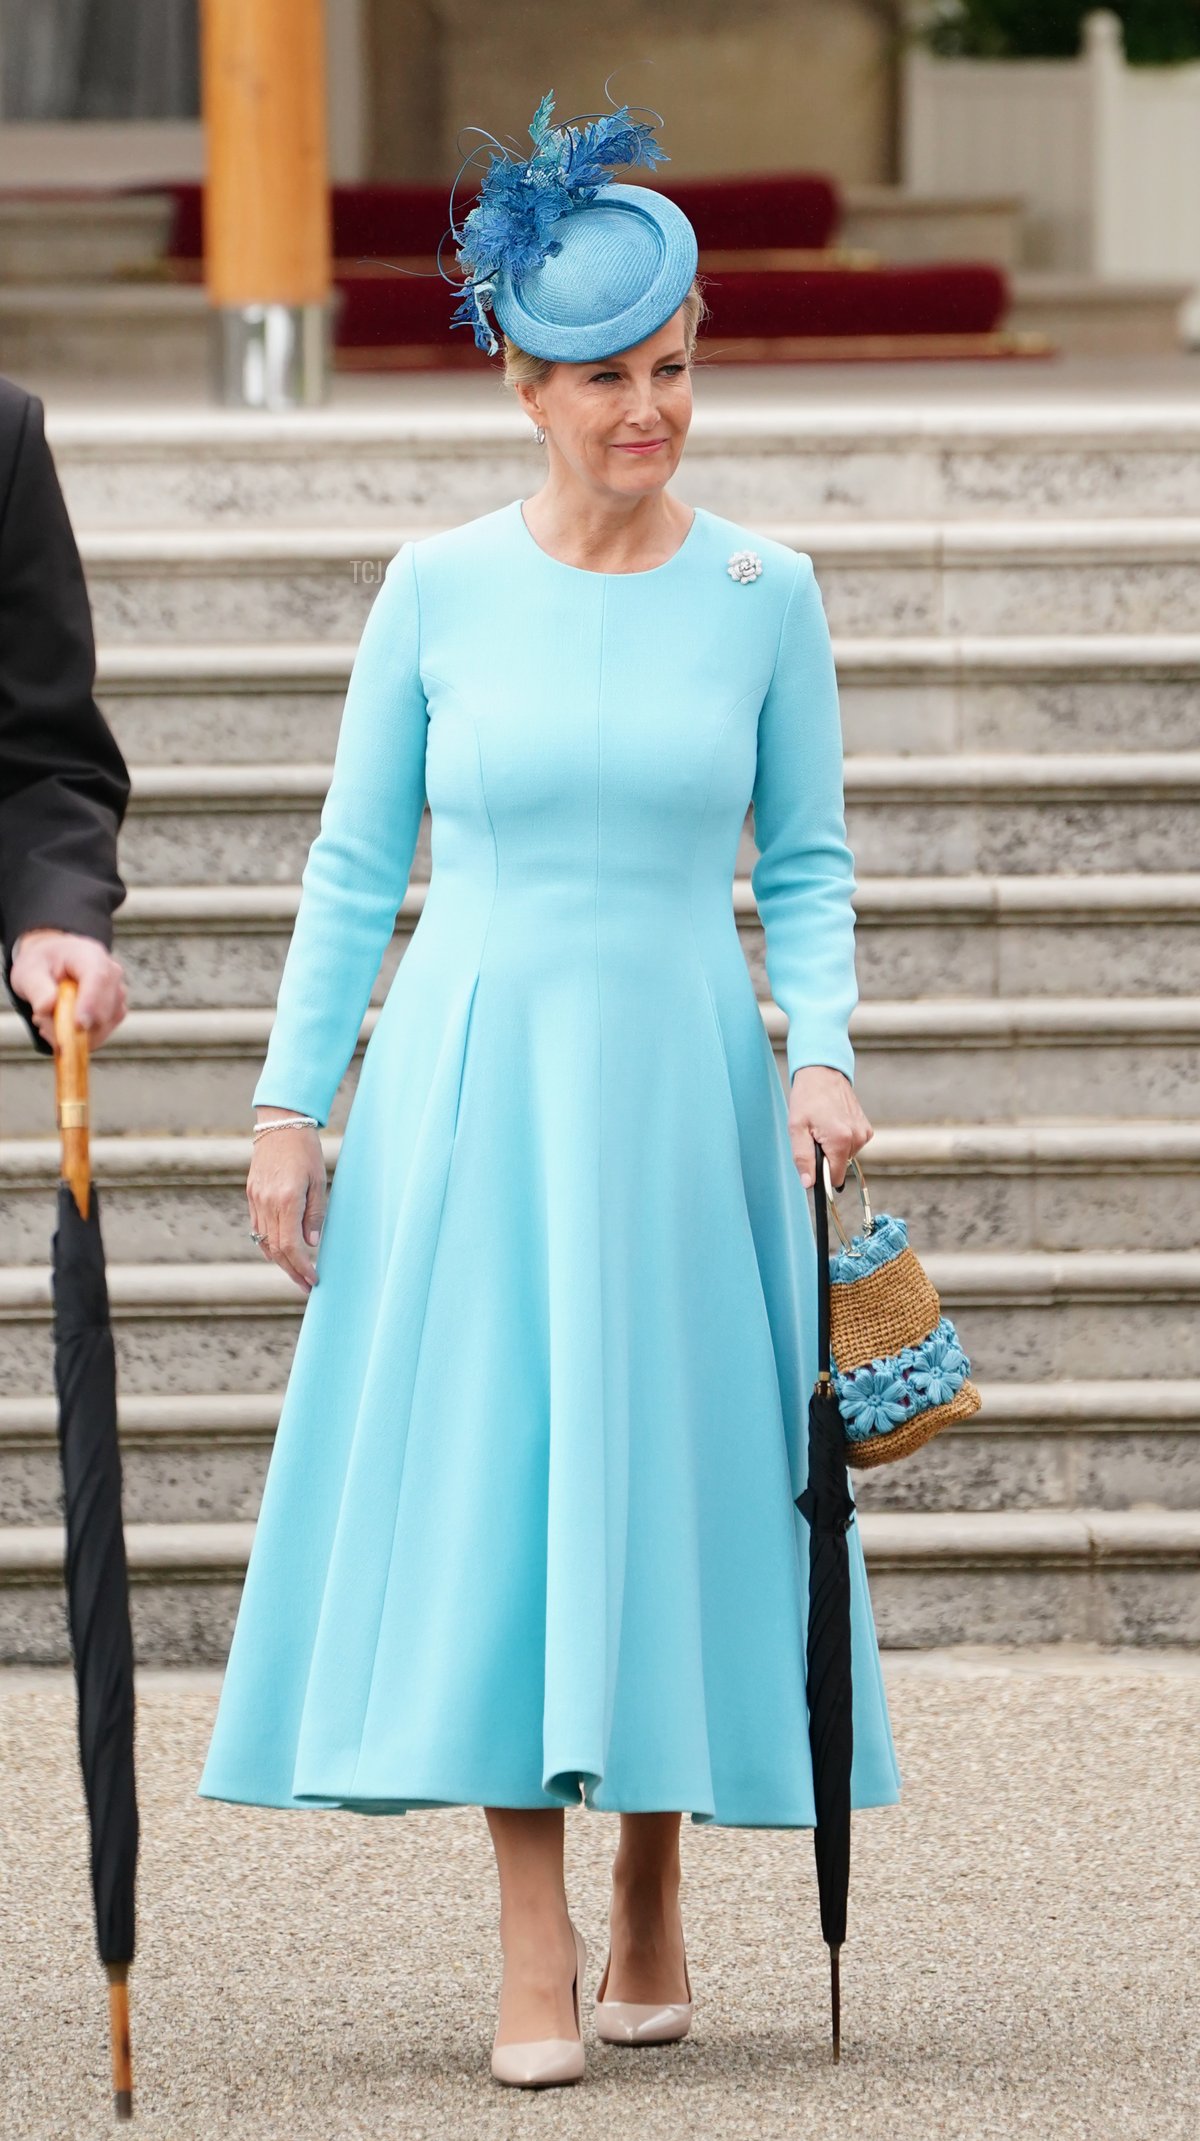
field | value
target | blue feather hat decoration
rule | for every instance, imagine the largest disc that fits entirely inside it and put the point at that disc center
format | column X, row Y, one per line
column 521, row 199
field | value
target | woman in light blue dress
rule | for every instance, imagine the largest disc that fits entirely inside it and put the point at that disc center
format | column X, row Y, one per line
column 528, row 1535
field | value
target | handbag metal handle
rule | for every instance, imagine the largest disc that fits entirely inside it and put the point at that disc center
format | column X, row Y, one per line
column 831, row 1192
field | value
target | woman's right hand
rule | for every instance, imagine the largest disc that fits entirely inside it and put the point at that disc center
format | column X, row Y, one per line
column 285, row 1190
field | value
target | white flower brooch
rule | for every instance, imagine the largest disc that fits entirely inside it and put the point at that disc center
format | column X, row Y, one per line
column 744, row 565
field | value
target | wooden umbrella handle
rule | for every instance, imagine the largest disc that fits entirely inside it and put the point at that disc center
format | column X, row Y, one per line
column 71, row 1088
column 122, row 2056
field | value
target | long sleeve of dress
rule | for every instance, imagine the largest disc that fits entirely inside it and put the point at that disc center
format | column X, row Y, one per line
column 803, row 880
column 359, row 864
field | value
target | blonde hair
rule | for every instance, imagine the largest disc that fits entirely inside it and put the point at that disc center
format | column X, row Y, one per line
column 521, row 368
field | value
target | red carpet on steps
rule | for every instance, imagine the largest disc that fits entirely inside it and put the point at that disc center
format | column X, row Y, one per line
column 394, row 306
column 390, row 222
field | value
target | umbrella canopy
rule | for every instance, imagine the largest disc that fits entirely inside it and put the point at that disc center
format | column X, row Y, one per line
column 96, row 1571
column 828, row 1505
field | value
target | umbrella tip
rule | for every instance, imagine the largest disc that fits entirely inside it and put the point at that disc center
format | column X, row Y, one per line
column 835, row 1989
column 123, row 2103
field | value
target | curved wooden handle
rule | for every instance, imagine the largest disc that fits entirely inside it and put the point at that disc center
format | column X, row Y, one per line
column 71, row 1087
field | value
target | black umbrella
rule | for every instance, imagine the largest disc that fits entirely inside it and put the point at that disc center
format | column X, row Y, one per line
column 829, row 1507
column 96, row 1572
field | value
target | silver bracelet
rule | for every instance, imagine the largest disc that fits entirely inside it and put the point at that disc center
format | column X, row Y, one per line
column 285, row 1122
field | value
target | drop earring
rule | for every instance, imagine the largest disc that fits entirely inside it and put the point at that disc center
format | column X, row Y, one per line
column 539, row 434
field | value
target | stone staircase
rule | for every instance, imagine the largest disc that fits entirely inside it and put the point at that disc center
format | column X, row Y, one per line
column 87, row 293
column 1012, row 597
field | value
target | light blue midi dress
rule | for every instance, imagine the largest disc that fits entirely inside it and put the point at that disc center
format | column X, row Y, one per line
column 528, row 1532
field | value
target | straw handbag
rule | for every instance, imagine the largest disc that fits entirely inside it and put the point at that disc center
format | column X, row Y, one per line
column 899, row 1372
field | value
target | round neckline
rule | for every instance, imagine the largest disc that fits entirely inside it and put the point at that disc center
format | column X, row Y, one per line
column 585, row 572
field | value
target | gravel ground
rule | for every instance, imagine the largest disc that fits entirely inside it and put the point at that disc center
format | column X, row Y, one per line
column 1022, row 1953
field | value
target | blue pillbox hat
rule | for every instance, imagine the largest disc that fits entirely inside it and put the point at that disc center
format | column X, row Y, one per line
column 574, row 265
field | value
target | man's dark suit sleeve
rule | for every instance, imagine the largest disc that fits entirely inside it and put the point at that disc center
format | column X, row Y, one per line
column 64, row 784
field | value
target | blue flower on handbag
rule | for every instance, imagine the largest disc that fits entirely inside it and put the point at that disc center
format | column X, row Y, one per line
column 873, row 1398
column 940, row 1365
column 520, row 200
column 898, row 1385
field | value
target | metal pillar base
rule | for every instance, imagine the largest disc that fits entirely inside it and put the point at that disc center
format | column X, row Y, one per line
column 273, row 356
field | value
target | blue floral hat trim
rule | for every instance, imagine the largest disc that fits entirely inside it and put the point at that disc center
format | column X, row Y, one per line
column 521, row 199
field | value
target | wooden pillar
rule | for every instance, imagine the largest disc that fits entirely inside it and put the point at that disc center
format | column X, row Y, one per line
column 267, row 234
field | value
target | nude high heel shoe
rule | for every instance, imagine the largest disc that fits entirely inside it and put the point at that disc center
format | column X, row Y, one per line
column 537, row 2061
column 642, row 2021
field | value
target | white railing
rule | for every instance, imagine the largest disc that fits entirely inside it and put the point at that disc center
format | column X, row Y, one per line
column 1105, row 155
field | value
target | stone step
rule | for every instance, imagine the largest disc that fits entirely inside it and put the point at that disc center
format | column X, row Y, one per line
column 190, row 947
column 903, row 224
column 1055, row 693
column 1084, row 1575
column 232, row 1326
column 1074, row 1444
column 996, row 1186
column 76, row 237
column 456, row 449
column 901, row 578
column 183, row 1457
column 1004, row 1059
column 1054, row 1445
column 1087, row 315
column 176, row 704
column 58, row 335
column 1017, row 812
column 197, row 947
column 1011, row 934
column 986, row 1060
column 183, row 705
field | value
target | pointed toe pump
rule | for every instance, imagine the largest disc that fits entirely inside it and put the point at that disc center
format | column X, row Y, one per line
column 642, row 2021
column 537, row 2062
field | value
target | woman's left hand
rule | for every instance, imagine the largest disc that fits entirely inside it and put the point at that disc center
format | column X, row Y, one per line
column 824, row 1104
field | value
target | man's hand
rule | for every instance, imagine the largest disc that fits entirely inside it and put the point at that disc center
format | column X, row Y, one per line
column 44, row 957
column 824, row 1103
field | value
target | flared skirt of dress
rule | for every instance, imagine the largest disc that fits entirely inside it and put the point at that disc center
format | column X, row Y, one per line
column 528, row 1531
